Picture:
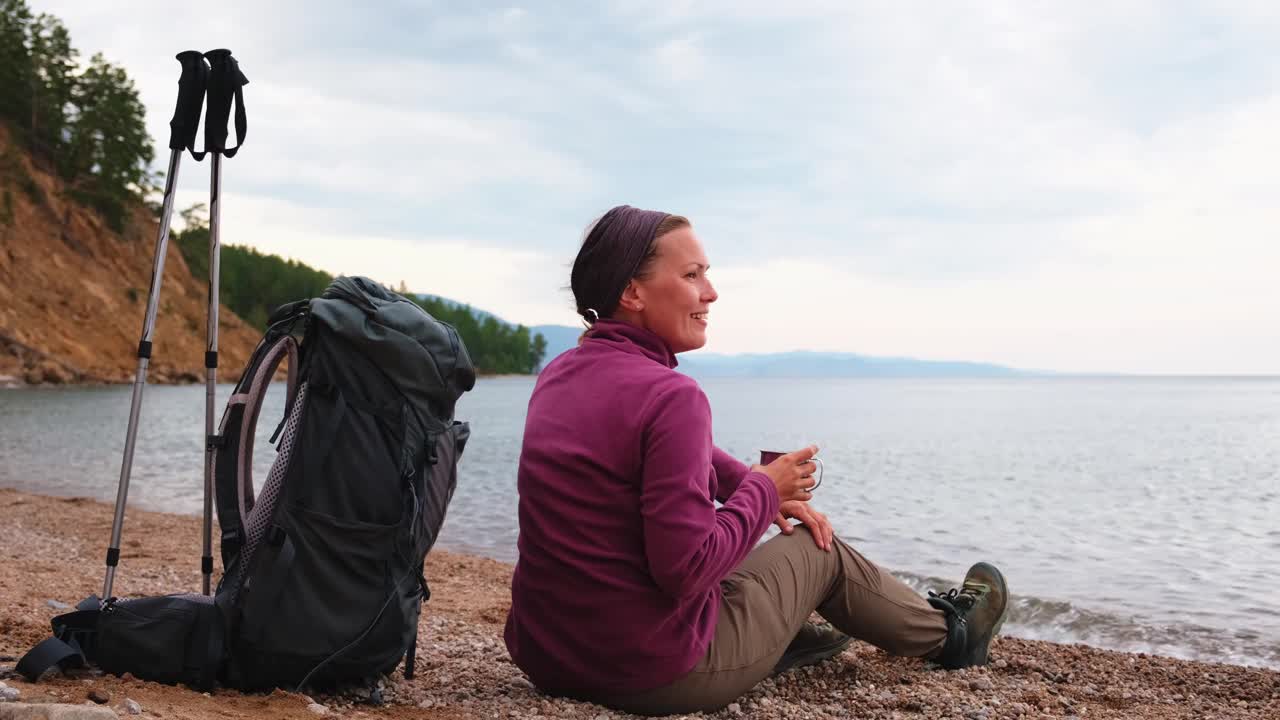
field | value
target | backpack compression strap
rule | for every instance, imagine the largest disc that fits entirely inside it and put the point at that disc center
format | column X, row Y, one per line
column 72, row 644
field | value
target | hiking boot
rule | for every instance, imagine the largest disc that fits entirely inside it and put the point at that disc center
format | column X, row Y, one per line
column 813, row 644
column 975, row 611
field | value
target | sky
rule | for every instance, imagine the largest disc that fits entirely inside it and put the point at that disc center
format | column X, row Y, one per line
column 1087, row 187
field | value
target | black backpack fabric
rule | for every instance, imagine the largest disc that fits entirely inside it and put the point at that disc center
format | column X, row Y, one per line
column 323, row 568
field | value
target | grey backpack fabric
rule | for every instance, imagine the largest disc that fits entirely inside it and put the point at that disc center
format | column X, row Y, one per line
column 323, row 572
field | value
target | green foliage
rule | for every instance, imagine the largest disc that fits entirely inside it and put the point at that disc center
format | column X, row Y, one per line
column 87, row 125
column 53, row 85
column 108, row 152
column 253, row 284
column 494, row 346
column 15, row 58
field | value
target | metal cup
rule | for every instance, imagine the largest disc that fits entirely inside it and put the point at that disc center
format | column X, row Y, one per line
column 768, row 456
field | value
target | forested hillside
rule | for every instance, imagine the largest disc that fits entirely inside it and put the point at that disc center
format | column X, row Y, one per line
column 253, row 284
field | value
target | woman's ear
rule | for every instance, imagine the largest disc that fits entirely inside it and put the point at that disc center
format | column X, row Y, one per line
column 631, row 299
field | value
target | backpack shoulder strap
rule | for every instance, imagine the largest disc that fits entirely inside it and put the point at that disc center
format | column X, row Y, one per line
column 284, row 347
column 233, row 461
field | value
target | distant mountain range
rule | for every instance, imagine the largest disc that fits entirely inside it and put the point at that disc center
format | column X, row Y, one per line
column 559, row 338
column 797, row 363
column 786, row 364
column 477, row 312
column 834, row 364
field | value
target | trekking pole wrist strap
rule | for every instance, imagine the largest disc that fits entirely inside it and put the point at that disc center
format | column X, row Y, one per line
column 226, row 83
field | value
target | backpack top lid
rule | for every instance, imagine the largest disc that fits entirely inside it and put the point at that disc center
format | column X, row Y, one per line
column 423, row 356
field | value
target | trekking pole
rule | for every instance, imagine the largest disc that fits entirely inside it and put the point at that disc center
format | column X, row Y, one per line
column 225, row 82
column 186, row 117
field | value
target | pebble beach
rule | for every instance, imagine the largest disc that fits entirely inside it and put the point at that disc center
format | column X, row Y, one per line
column 52, row 548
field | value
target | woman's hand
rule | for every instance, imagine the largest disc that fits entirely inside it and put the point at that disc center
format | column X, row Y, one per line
column 792, row 474
column 817, row 523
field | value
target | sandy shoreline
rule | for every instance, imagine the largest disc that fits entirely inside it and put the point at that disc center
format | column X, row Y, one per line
column 52, row 549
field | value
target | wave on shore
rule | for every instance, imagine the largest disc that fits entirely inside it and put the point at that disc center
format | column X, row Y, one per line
column 1058, row 621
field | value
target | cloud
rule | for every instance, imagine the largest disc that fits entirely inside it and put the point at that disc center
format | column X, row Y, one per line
column 1067, row 186
column 523, row 286
column 1103, row 319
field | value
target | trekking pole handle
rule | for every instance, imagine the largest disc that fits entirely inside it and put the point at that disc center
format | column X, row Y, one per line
column 225, row 81
column 191, row 89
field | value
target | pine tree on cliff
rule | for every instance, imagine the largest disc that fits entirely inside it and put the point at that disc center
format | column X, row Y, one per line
column 87, row 125
column 15, row 60
column 53, row 82
column 108, row 154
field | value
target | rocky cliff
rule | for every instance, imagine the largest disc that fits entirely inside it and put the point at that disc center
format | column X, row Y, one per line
column 73, row 292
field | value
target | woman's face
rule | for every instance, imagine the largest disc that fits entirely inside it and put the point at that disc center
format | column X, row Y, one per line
column 673, row 298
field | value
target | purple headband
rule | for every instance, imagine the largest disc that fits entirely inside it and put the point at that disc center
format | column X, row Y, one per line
column 617, row 245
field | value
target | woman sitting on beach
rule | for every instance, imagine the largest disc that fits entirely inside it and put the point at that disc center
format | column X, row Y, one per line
column 633, row 589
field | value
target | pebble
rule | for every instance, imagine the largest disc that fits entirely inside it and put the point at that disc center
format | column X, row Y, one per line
column 132, row 707
column 60, row 711
column 464, row 670
column 100, row 696
column 8, row 694
column 58, row 605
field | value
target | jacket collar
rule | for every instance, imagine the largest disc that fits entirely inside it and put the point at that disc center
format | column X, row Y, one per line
column 630, row 338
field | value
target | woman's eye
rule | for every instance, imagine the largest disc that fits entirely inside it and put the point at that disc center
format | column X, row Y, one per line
column 691, row 275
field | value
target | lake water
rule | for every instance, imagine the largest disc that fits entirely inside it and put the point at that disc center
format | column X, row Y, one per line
column 1135, row 514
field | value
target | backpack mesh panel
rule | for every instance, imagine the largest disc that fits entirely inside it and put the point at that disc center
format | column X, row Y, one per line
column 193, row 597
column 263, row 510
column 284, row 347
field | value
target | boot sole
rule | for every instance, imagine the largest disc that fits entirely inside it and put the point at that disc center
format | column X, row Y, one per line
column 980, row 656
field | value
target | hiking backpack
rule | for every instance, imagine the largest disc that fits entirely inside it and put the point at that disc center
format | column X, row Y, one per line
column 323, row 567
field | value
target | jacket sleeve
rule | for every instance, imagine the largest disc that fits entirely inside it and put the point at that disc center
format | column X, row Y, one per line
column 729, row 473
column 690, row 544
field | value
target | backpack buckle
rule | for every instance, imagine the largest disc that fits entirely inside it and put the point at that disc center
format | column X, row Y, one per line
column 432, row 457
column 230, row 542
column 276, row 536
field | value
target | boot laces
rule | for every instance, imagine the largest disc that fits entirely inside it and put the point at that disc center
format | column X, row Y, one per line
column 963, row 596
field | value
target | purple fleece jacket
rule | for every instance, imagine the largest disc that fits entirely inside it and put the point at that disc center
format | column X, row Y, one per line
column 622, row 547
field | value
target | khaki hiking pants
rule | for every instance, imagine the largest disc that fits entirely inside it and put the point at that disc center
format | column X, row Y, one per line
column 767, row 600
